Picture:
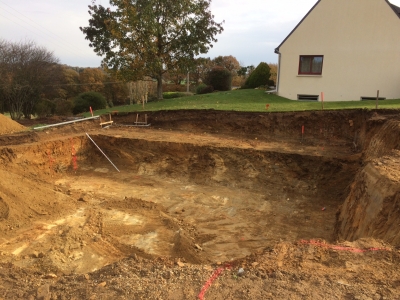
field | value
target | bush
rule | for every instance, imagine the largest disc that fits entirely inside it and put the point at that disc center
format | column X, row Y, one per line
column 200, row 87
column 171, row 95
column 64, row 107
column 45, row 108
column 204, row 89
column 84, row 101
column 259, row 77
column 220, row 79
column 174, row 87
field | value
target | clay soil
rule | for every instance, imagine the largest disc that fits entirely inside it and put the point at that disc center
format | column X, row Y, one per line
column 198, row 205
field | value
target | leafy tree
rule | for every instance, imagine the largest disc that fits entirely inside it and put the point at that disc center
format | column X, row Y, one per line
column 148, row 37
column 274, row 72
column 26, row 72
column 116, row 92
column 258, row 77
column 202, row 67
column 70, row 83
column 92, row 79
column 228, row 62
column 89, row 99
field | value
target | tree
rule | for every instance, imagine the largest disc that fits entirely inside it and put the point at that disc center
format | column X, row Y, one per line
column 258, row 77
column 92, row 79
column 70, row 82
column 202, row 67
column 228, row 62
column 274, row 72
column 25, row 70
column 148, row 37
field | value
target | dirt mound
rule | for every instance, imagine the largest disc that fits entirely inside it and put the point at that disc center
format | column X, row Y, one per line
column 9, row 126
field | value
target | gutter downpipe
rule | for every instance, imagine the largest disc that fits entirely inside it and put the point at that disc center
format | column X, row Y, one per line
column 279, row 71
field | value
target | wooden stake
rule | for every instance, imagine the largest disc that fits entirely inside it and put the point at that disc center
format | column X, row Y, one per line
column 322, row 100
column 377, row 99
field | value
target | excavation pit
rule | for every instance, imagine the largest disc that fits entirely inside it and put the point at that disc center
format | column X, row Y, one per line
column 201, row 195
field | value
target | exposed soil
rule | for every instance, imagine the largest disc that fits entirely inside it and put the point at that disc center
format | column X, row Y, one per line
column 307, row 204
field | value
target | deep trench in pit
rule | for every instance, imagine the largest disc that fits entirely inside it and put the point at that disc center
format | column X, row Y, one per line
column 196, row 202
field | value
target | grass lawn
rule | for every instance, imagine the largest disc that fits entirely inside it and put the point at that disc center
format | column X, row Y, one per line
column 245, row 100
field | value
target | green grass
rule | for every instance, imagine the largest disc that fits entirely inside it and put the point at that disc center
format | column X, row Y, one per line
column 246, row 100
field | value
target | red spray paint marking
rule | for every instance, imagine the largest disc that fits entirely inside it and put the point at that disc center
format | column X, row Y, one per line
column 341, row 248
column 213, row 277
column 74, row 158
column 266, row 106
column 91, row 111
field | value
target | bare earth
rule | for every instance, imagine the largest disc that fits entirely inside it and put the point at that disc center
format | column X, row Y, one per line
column 202, row 205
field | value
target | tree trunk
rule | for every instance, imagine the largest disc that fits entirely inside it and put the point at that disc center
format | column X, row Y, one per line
column 159, row 87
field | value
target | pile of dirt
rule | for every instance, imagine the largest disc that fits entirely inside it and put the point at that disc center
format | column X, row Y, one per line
column 9, row 126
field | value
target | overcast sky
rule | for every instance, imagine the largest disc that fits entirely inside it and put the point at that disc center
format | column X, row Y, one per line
column 252, row 28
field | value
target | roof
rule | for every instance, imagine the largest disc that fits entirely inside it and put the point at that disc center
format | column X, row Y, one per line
column 395, row 8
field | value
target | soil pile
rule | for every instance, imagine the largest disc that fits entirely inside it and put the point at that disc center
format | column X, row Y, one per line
column 9, row 126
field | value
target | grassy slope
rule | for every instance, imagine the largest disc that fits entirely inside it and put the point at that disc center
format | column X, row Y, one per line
column 246, row 100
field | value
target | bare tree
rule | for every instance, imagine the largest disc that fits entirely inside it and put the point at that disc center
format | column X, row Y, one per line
column 25, row 70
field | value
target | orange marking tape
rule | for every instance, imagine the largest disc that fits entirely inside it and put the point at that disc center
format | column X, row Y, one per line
column 213, row 277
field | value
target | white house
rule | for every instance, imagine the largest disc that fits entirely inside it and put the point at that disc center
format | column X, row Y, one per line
column 345, row 49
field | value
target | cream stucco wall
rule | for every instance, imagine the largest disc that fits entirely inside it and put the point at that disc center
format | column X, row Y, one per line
column 361, row 46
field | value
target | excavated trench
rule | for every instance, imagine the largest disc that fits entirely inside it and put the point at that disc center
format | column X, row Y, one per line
column 196, row 196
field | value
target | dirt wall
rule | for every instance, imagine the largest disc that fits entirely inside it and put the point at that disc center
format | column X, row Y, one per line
column 319, row 126
column 372, row 208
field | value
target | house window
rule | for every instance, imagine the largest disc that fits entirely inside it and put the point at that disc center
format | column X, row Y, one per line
column 311, row 64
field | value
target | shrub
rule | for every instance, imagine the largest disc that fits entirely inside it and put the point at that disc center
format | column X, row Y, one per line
column 174, row 87
column 171, row 95
column 64, row 107
column 220, row 79
column 200, row 87
column 45, row 108
column 204, row 89
column 89, row 99
column 259, row 77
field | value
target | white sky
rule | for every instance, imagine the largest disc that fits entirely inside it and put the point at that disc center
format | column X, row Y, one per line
column 252, row 28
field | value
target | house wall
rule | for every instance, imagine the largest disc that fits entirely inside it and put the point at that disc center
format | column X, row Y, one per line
column 361, row 46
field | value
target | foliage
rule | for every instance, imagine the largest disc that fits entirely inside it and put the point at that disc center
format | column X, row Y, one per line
column 228, row 62
column 204, row 89
column 84, row 101
column 92, row 79
column 274, row 73
column 45, row 108
column 71, row 83
column 172, row 95
column 259, row 77
column 148, row 37
column 64, row 107
column 200, row 87
column 220, row 79
column 27, row 72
